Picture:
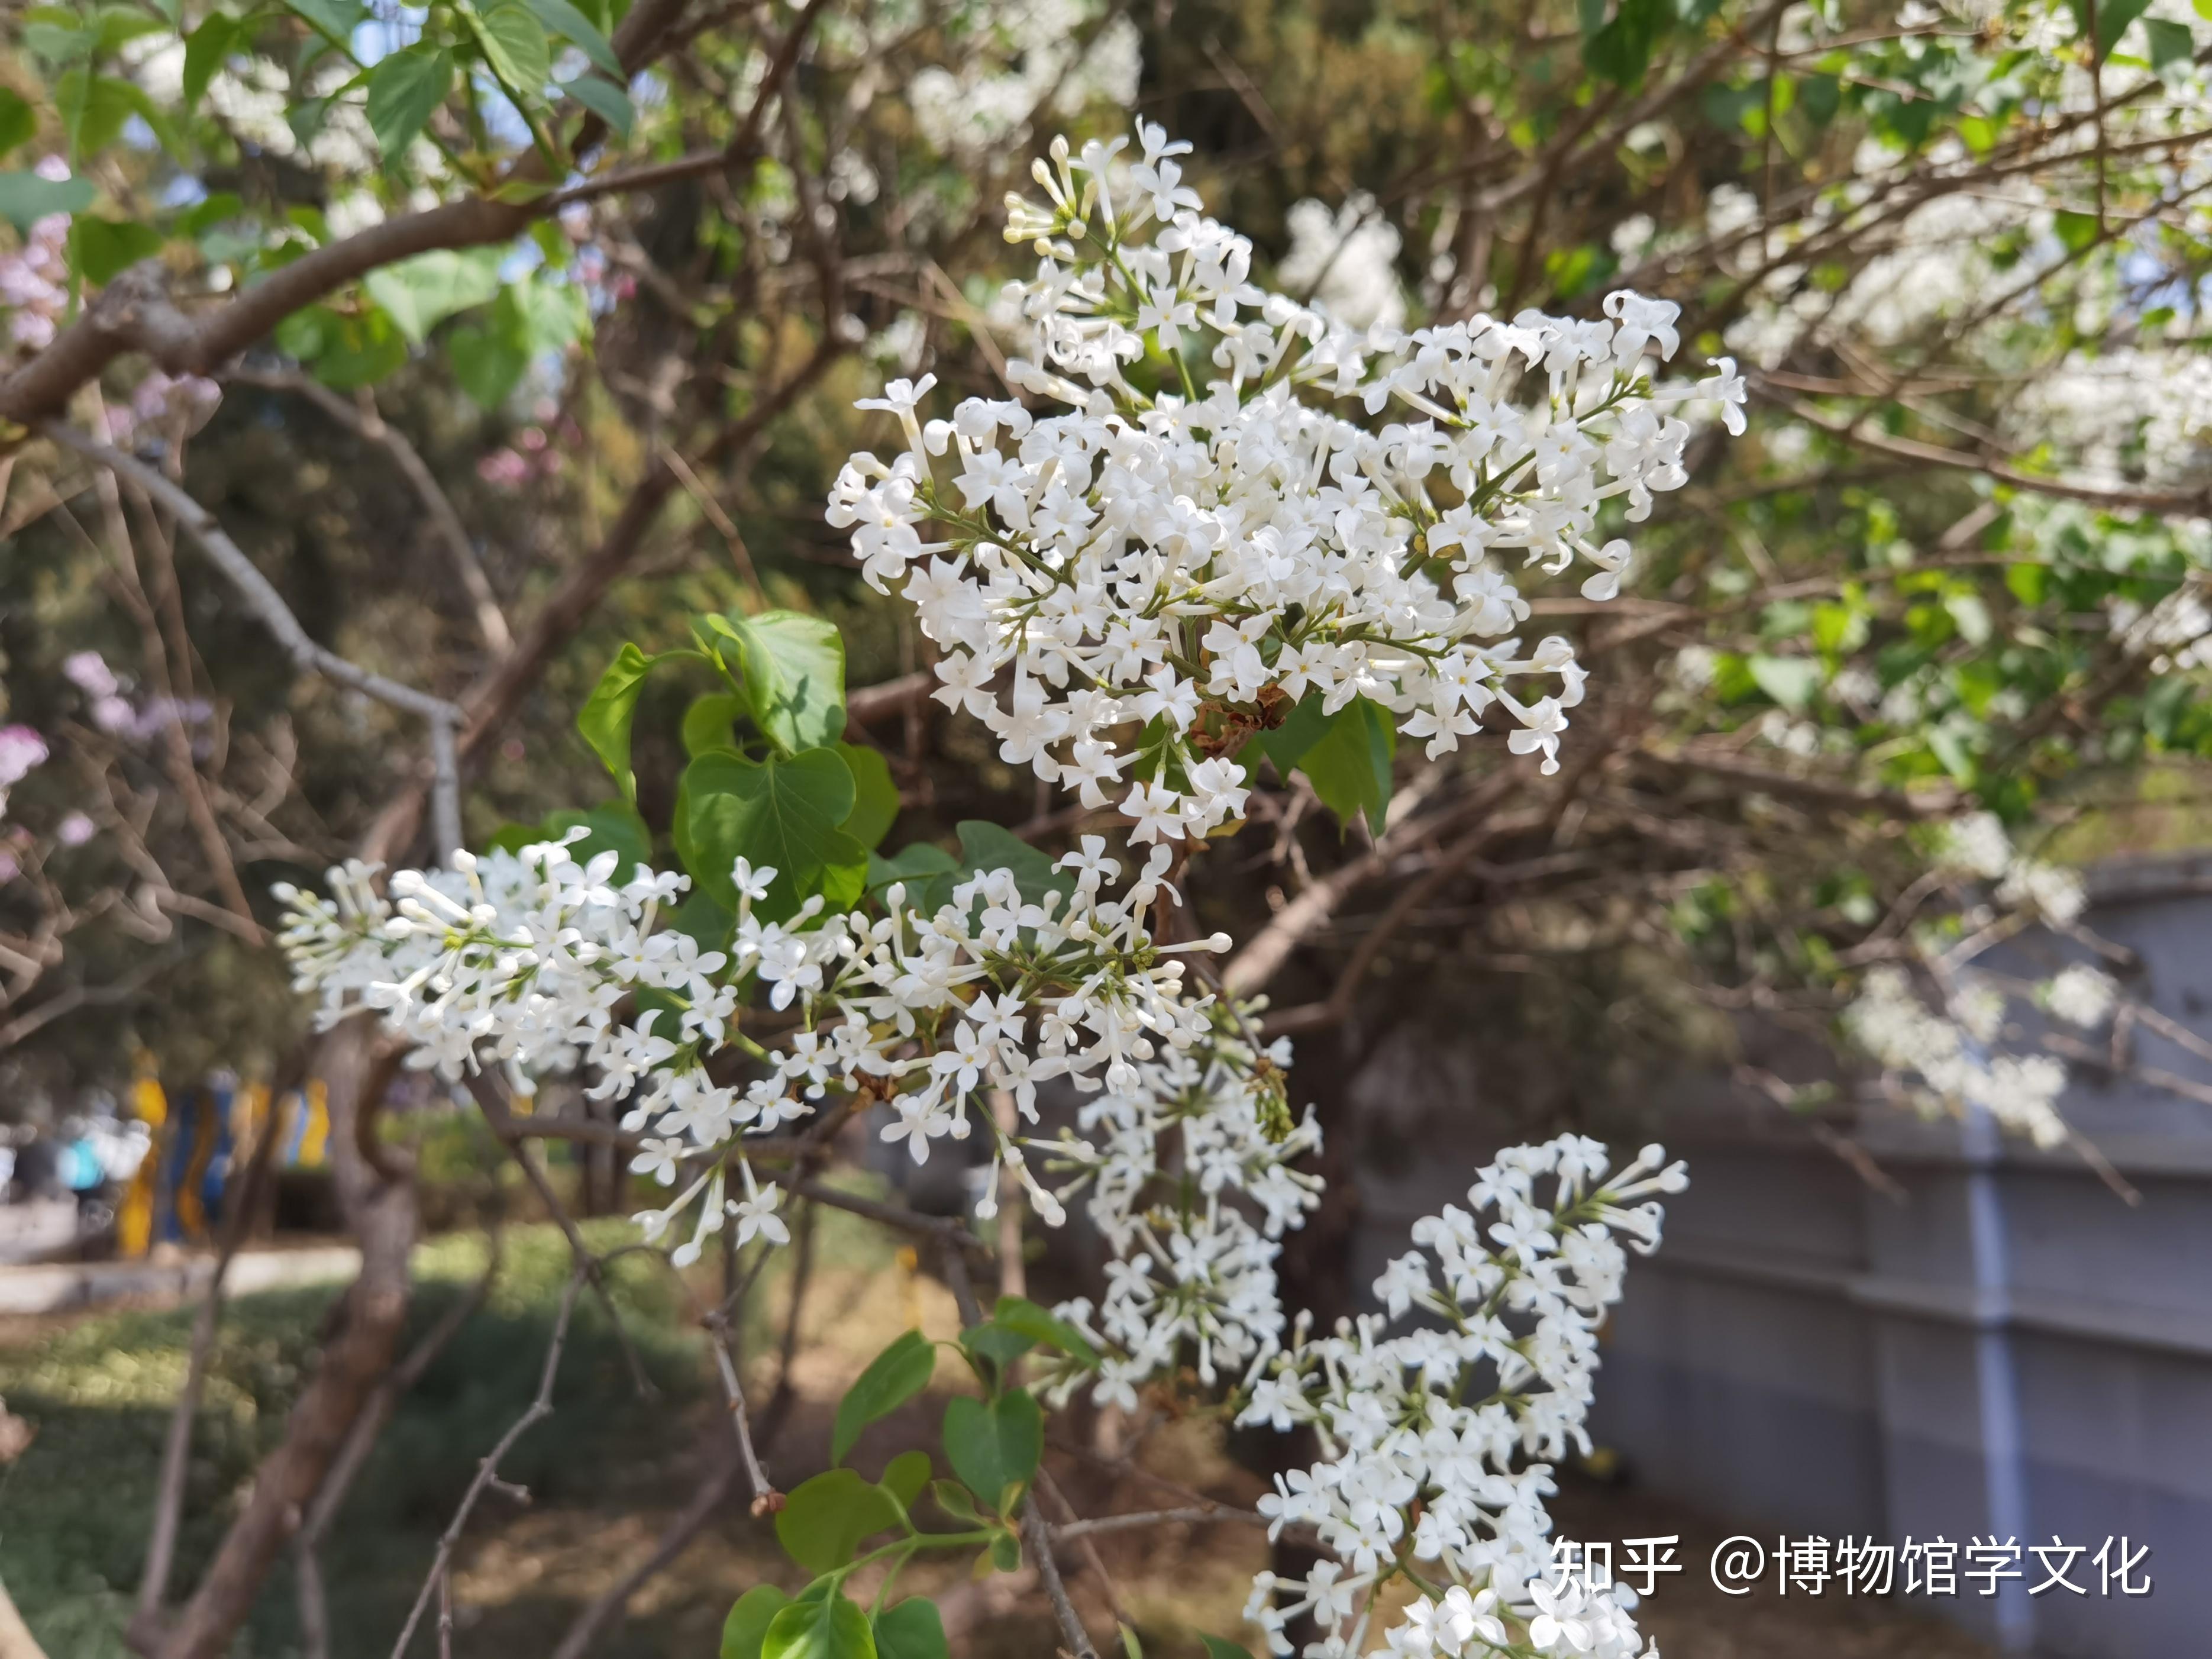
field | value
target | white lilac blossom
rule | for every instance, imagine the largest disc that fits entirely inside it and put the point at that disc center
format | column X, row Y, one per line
column 2081, row 995
column 1190, row 1180
column 1945, row 1061
column 1438, row 1442
column 1200, row 530
column 533, row 961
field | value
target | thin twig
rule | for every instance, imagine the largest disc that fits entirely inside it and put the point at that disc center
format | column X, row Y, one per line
column 503, row 1125
column 360, row 1439
column 366, row 423
column 262, row 597
column 540, row 1407
column 1193, row 1516
column 943, row 1229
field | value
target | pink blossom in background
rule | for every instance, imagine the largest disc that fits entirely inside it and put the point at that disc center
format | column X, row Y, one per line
column 504, row 470
column 21, row 749
column 9, row 868
column 75, row 831
column 33, row 278
column 89, row 672
column 114, row 714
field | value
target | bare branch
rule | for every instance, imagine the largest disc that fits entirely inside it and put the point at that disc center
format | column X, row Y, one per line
column 2194, row 503
column 1194, row 1514
column 945, row 1230
column 503, row 1124
column 262, row 599
column 366, row 422
column 540, row 1407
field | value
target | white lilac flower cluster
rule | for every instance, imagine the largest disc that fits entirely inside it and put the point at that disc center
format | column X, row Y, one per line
column 1436, row 1441
column 1201, row 533
column 1944, row 1054
column 1976, row 844
column 1190, row 1181
column 1948, row 1058
column 530, row 960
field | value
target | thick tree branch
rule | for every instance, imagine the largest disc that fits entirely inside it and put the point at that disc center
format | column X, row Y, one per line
column 134, row 312
column 380, row 1212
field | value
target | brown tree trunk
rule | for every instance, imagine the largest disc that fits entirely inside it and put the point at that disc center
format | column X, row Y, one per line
column 378, row 1203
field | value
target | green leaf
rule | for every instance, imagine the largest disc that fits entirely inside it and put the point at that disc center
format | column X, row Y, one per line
column 1349, row 765
column 1621, row 51
column 1791, row 681
column 308, row 117
column 875, row 797
column 994, row 1444
column 928, row 872
column 831, row 1628
column 404, row 90
column 994, row 1342
column 955, row 1500
column 93, row 108
column 545, row 316
column 783, row 813
column 210, row 212
column 26, row 198
column 893, row 1378
column 747, row 1625
column 1006, row 1552
column 487, row 363
column 18, row 120
column 986, row 845
column 614, row 829
column 1217, row 1649
column 604, row 100
column 708, row 722
column 120, row 26
column 792, row 670
column 515, row 46
column 420, row 293
column 205, row 49
column 562, row 19
column 335, row 20
column 102, row 247
column 1041, row 1326
column 1302, row 728
column 705, row 919
column 2028, row 582
column 2113, row 17
column 2170, row 43
column 911, row 1630
column 359, row 350
column 905, row 1476
column 50, row 32
column 1130, row 1645
column 2075, row 230
column 604, row 719
column 821, row 1524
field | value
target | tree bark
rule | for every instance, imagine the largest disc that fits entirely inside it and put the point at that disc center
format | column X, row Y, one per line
column 379, row 1206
